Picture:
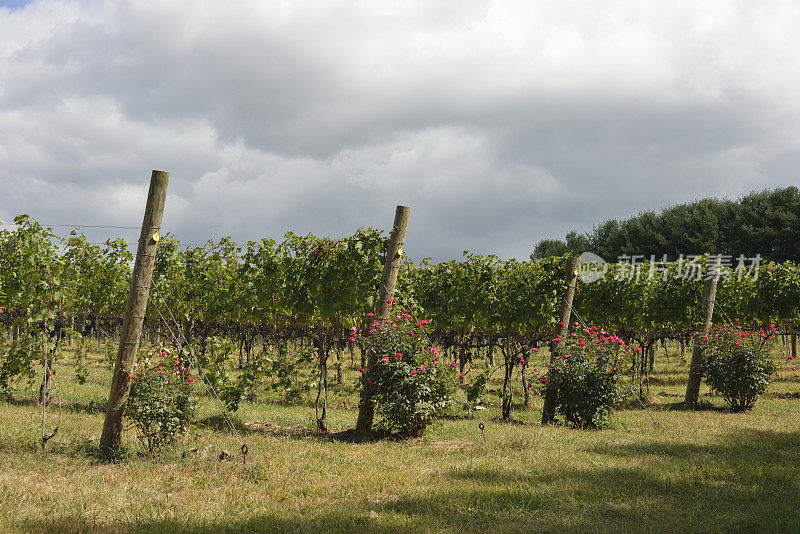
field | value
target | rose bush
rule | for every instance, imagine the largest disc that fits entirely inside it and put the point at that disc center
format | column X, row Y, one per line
column 161, row 402
column 737, row 365
column 585, row 379
column 409, row 385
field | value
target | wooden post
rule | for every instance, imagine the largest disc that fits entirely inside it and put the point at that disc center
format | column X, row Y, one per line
column 391, row 266
column 549, row 408
column 508, row 388
column 322, row 388
column 134, row 313
column 693, row 386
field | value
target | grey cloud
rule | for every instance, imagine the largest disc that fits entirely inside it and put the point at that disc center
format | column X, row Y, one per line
column 499, row 123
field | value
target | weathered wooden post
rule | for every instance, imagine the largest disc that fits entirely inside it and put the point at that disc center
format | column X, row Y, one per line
column 134, row 313
column 549, row 408
column 391, row 266
column 693, row 386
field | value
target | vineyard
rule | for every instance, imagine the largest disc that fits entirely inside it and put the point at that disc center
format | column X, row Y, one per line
column 270, row 324
column 257, row 299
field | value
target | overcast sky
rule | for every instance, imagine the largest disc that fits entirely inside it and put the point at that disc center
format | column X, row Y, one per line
column 499, row 123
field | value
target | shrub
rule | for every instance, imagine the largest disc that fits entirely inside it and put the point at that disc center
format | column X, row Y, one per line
column 585, row 380
column 285, row 371
column 236, row 384
column 736, row 364
column 17, row 360
column 216, row 361
column 409, row 385
column 243, row 388
column 161, row 402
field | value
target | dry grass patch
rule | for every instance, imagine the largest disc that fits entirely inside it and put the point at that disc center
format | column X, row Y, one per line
column 698, row 471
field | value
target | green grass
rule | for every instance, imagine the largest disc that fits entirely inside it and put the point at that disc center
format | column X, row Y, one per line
column 697, row 471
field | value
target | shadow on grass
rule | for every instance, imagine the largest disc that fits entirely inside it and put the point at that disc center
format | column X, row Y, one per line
column 745, row 482
column 703, row 405
column 218, row 423
column 86, row 448
column 777, row 395
column 648, row 401
column 67, row 406
column 748, row 482
column 668, row 380
column 791, row 379
column 333, row 522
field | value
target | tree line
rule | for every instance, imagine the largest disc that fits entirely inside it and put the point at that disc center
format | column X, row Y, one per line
column 321, row 292
column 765, row 222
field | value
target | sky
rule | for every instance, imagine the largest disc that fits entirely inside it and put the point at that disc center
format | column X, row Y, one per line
column 498, row 123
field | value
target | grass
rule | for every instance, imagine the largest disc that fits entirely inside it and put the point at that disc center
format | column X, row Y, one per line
column 697, row 471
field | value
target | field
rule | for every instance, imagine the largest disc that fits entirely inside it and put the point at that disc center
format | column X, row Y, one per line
column 697, row 471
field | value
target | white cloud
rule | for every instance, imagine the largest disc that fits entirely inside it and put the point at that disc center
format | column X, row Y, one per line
column 498, row 122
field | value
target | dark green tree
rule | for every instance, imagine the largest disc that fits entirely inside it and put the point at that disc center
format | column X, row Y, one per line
column 765, row 222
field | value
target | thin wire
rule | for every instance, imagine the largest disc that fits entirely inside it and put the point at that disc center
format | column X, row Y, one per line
column 48, row 380
column 718, row 308
column 91, row 226
column 206, row 382
column 127, row 240
column 630, row 385
column 178, row 345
